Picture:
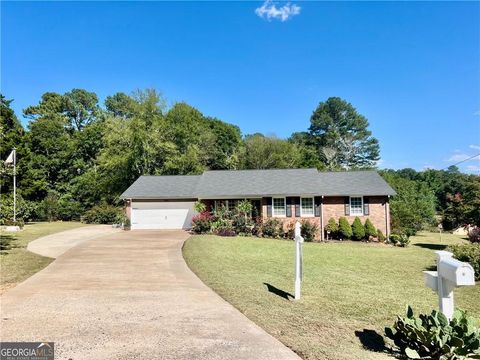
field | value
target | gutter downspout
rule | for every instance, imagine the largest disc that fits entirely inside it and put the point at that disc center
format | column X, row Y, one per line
column 322, row 231
column 387, row 217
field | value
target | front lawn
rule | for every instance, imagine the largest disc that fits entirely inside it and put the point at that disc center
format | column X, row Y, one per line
column 17, row 264
column 351, row 291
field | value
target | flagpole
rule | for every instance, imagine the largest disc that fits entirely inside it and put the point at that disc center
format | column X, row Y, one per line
column 14, row 186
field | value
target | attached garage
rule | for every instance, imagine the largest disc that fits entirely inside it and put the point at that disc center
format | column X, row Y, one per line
column 162, row 215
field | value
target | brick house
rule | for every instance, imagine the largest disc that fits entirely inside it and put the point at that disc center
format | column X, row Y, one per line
column 167, row 202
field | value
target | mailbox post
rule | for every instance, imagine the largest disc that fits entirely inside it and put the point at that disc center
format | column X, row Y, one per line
column 298, row 260
column 450, row 274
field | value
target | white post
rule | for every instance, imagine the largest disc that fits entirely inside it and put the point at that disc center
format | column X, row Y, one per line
column 14, row 185
column 298, row 260
column 445, row 288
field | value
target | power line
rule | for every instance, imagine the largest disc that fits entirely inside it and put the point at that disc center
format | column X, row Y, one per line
column 470, row 158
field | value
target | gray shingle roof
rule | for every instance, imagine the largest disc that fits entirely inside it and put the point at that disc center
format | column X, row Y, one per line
column 162, row 187
column 257, row 183
column 246, row 183
column 353, row 183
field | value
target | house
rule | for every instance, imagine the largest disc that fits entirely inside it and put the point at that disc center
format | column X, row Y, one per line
column 167, row 202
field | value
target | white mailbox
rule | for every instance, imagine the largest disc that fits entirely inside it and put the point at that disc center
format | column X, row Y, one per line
column 457, row 272
column 450, row 274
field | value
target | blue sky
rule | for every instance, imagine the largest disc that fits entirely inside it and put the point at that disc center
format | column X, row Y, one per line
column 411, row 68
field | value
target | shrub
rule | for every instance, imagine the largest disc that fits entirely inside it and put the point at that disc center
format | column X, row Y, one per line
column 344, row 228
column 202, row 223
column 69, row 209
column 102, row 214
column 370, row 230
column 244, row 208
column 242, row 221
column 48, row 208
column 469, row 253
column 272, row 228
column 401, row 240
column 358, row 230
column 331, row 228
column 474, row 234
column 26, row 210
column 225, row 231
column 434, row 337
column 380, row 236
column 243, row 225
column 126, row 223
column 309, row 230
column 199, row 207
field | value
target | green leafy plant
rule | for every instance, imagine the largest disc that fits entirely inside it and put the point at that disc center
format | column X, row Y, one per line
column 370, row 231
column 272, row 228
column 126, row 223
column 199, row 206
column 202, row 223
column 358, row 230
column 344, row 228
column 102, row 214
column 434, row 337
column 380, row 236
column 402, row 240
column 309, row 230
column 331, row 228
column 469, row 253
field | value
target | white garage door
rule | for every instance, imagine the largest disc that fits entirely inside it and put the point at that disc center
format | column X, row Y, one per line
column 162, row 215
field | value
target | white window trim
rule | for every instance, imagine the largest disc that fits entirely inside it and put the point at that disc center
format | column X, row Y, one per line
column 284, row 206
column 313, row 207
column 350, row 204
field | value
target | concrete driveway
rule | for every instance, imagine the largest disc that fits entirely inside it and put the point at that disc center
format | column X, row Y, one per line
column 130, row 295
column 56, row 244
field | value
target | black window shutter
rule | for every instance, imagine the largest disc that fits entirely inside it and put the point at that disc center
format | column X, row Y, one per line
column 269, row 206
column 366, row 206
column 297, row 206
column 289, row 206
column 347, row 206
column 317, row 202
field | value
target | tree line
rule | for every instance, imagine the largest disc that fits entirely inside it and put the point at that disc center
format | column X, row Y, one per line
column 76, row 153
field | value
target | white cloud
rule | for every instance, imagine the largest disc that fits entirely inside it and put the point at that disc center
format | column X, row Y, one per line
column 461, row 156
column 270, row 11
column 475, row 147
column 477, row 113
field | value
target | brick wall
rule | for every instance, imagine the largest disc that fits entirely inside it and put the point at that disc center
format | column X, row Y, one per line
column 289, row 222
column 335, row 207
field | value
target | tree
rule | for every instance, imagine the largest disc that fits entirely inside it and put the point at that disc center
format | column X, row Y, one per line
column 341, row 135
column 370, row 230
column 80, row 107
column 11, row 136
column 344, row 228
column 262, row 152
column 414, row 205
column 331, row 228
column 310, row 157
column 358, row 230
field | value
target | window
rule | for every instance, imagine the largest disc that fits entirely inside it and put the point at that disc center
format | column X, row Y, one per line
column 306, row 208
column 279, row 207
column 220, row 203
column 232, row 204
column 356, row 205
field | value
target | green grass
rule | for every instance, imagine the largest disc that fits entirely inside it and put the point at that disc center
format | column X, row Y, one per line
column 351, row 291
column 17, row 264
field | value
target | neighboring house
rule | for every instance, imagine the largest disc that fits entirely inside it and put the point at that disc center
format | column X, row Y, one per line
column 167, row 202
